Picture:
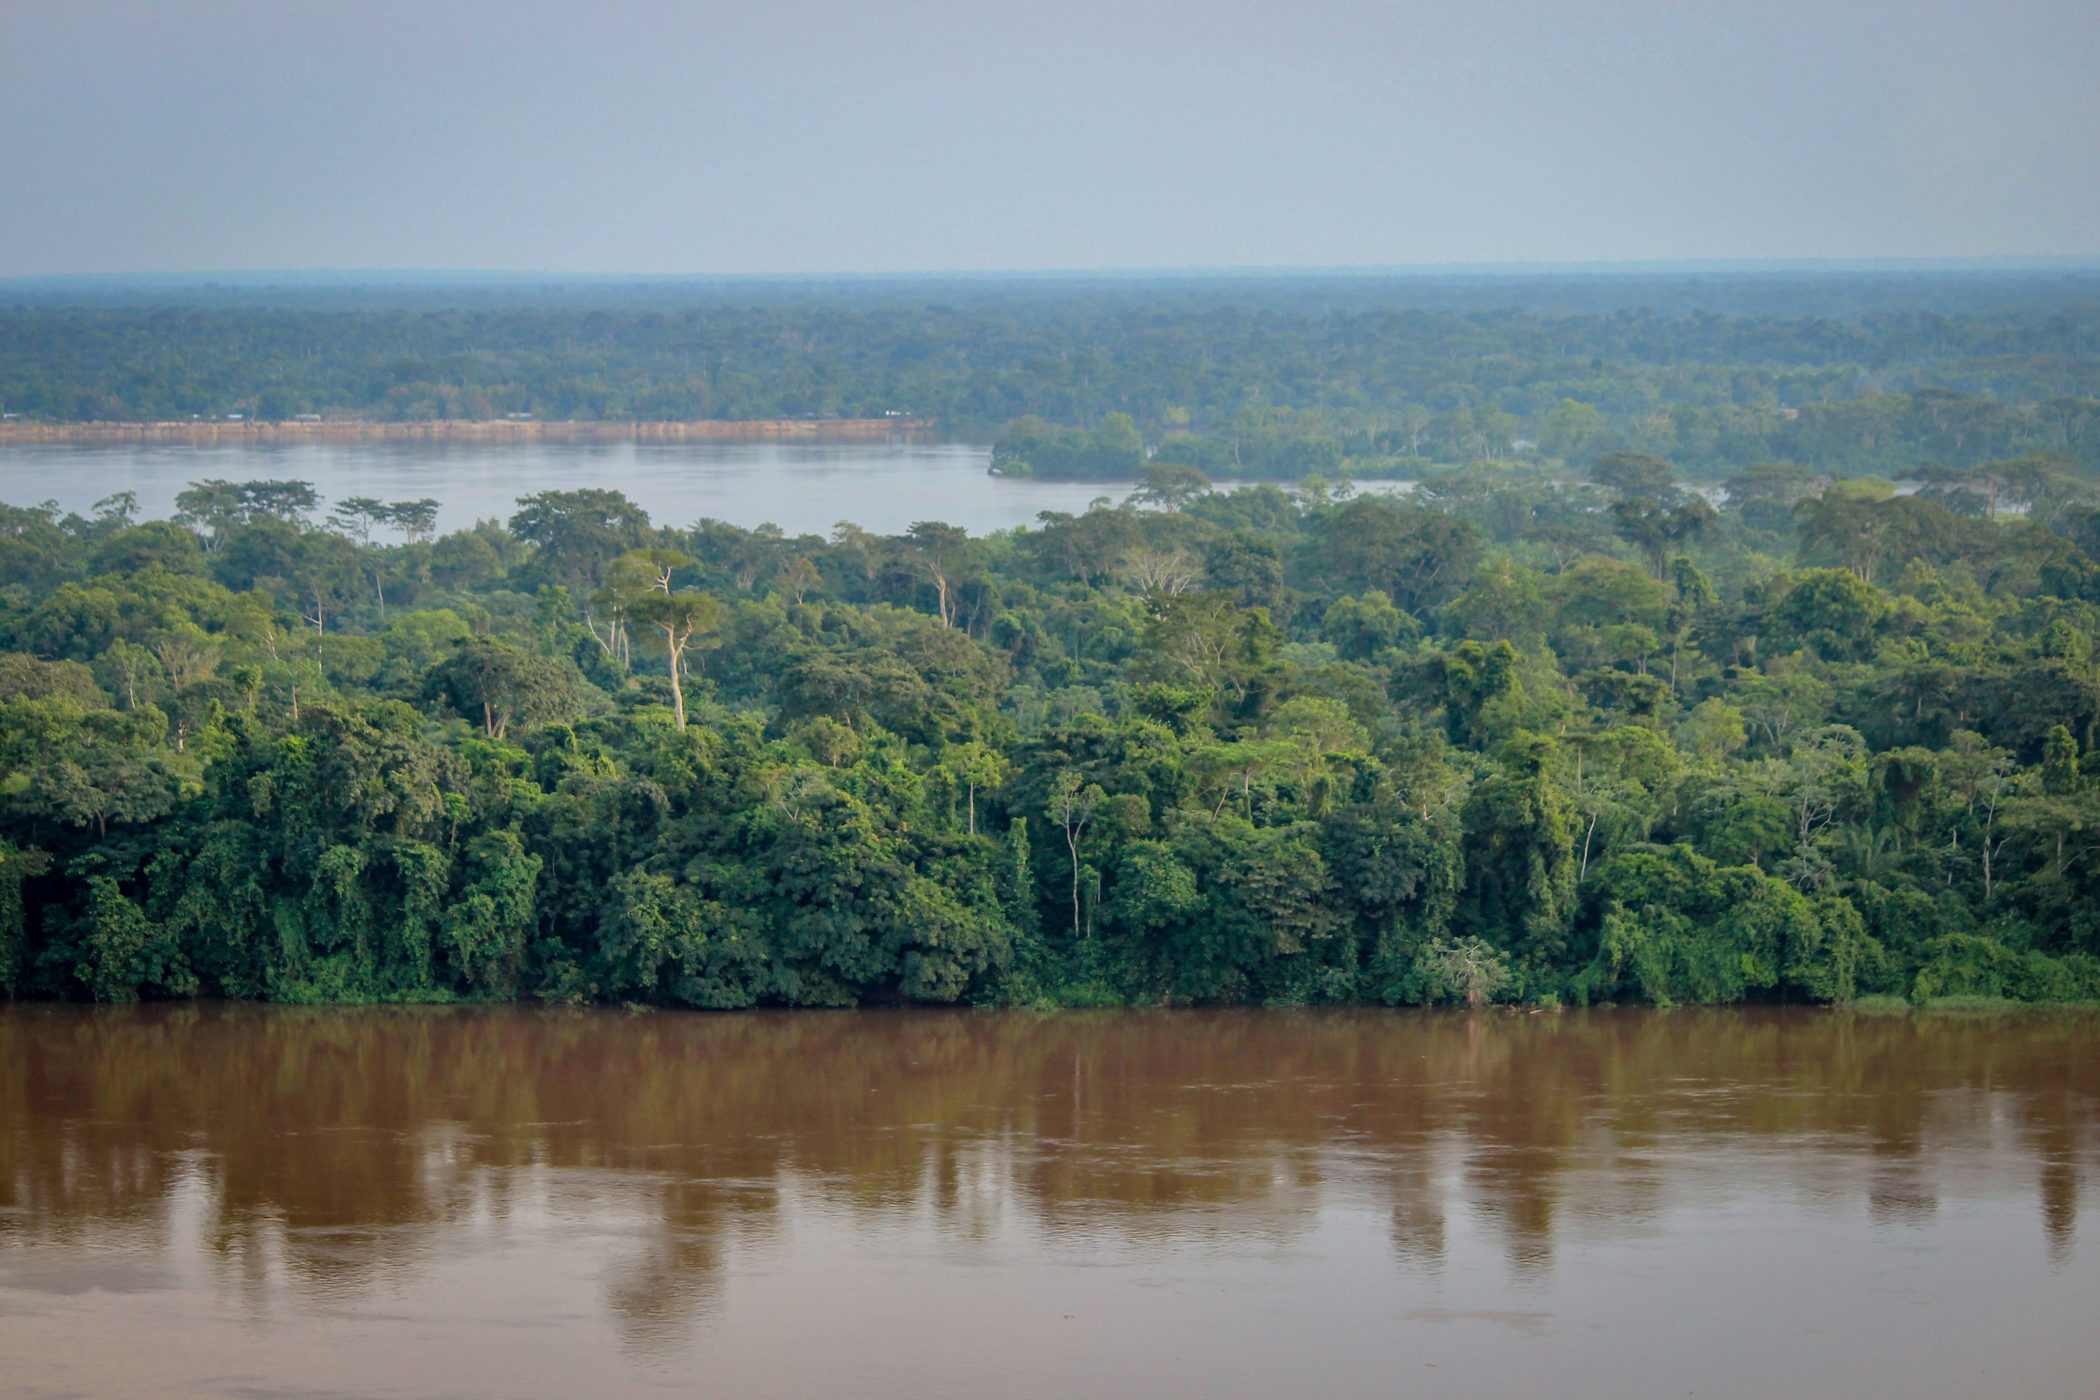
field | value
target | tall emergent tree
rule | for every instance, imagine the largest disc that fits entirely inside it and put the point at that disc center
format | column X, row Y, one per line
column 684, row 621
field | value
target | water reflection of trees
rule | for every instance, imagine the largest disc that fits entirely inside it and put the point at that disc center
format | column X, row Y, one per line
column 334, row 1141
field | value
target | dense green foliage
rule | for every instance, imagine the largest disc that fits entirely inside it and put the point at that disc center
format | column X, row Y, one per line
column 1513, row 737
column 1239, row 381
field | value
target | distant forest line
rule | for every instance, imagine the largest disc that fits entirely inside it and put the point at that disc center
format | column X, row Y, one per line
column 1261, row 380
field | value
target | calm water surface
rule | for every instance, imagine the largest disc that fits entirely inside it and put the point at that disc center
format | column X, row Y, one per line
column 239, row 1201
column 803, row 488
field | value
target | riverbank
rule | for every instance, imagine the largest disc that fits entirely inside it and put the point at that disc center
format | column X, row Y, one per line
column 474, row 430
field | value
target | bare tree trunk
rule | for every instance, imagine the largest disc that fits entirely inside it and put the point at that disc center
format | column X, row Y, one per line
column 1072, row 844
column 677, row 650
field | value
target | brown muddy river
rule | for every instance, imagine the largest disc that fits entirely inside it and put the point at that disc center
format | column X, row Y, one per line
column 252, row 1202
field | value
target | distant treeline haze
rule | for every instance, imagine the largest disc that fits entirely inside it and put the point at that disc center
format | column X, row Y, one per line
column 1269, row 392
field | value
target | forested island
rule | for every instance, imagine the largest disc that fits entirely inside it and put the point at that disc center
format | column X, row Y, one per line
column 1525, row 734
column 1247, row 378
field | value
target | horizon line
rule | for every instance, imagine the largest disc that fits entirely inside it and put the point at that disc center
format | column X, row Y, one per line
column 2006, row 263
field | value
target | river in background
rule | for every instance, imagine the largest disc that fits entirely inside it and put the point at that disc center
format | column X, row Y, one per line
column 247, row 1201
column 805, row 488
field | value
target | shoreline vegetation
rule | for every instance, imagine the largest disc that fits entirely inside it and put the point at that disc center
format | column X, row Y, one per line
column 469, row 430
column 1529, row 739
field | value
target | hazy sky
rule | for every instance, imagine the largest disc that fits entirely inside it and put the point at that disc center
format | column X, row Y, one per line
column 826, row 135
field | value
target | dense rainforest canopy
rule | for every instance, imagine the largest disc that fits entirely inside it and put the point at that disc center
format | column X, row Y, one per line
column 1244, row 379
column 1518, row 735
